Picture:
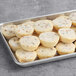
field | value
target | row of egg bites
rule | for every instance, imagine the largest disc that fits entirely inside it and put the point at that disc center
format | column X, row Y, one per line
column 33, row 40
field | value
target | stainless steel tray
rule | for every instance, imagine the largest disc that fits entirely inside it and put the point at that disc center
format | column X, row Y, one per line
column 50, row 16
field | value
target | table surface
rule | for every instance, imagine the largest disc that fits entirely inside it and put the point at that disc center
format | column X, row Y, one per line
column 20, row 9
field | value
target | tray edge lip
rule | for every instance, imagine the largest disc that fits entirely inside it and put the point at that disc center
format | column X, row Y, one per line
column 39, row 16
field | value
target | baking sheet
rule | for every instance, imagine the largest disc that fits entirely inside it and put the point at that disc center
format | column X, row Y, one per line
column 50, row 16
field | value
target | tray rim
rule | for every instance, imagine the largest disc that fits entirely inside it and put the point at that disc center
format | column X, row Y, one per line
column 38, row 16
column 37, row 61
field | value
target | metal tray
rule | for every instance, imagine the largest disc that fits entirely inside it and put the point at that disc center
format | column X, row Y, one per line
column 50, row 16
